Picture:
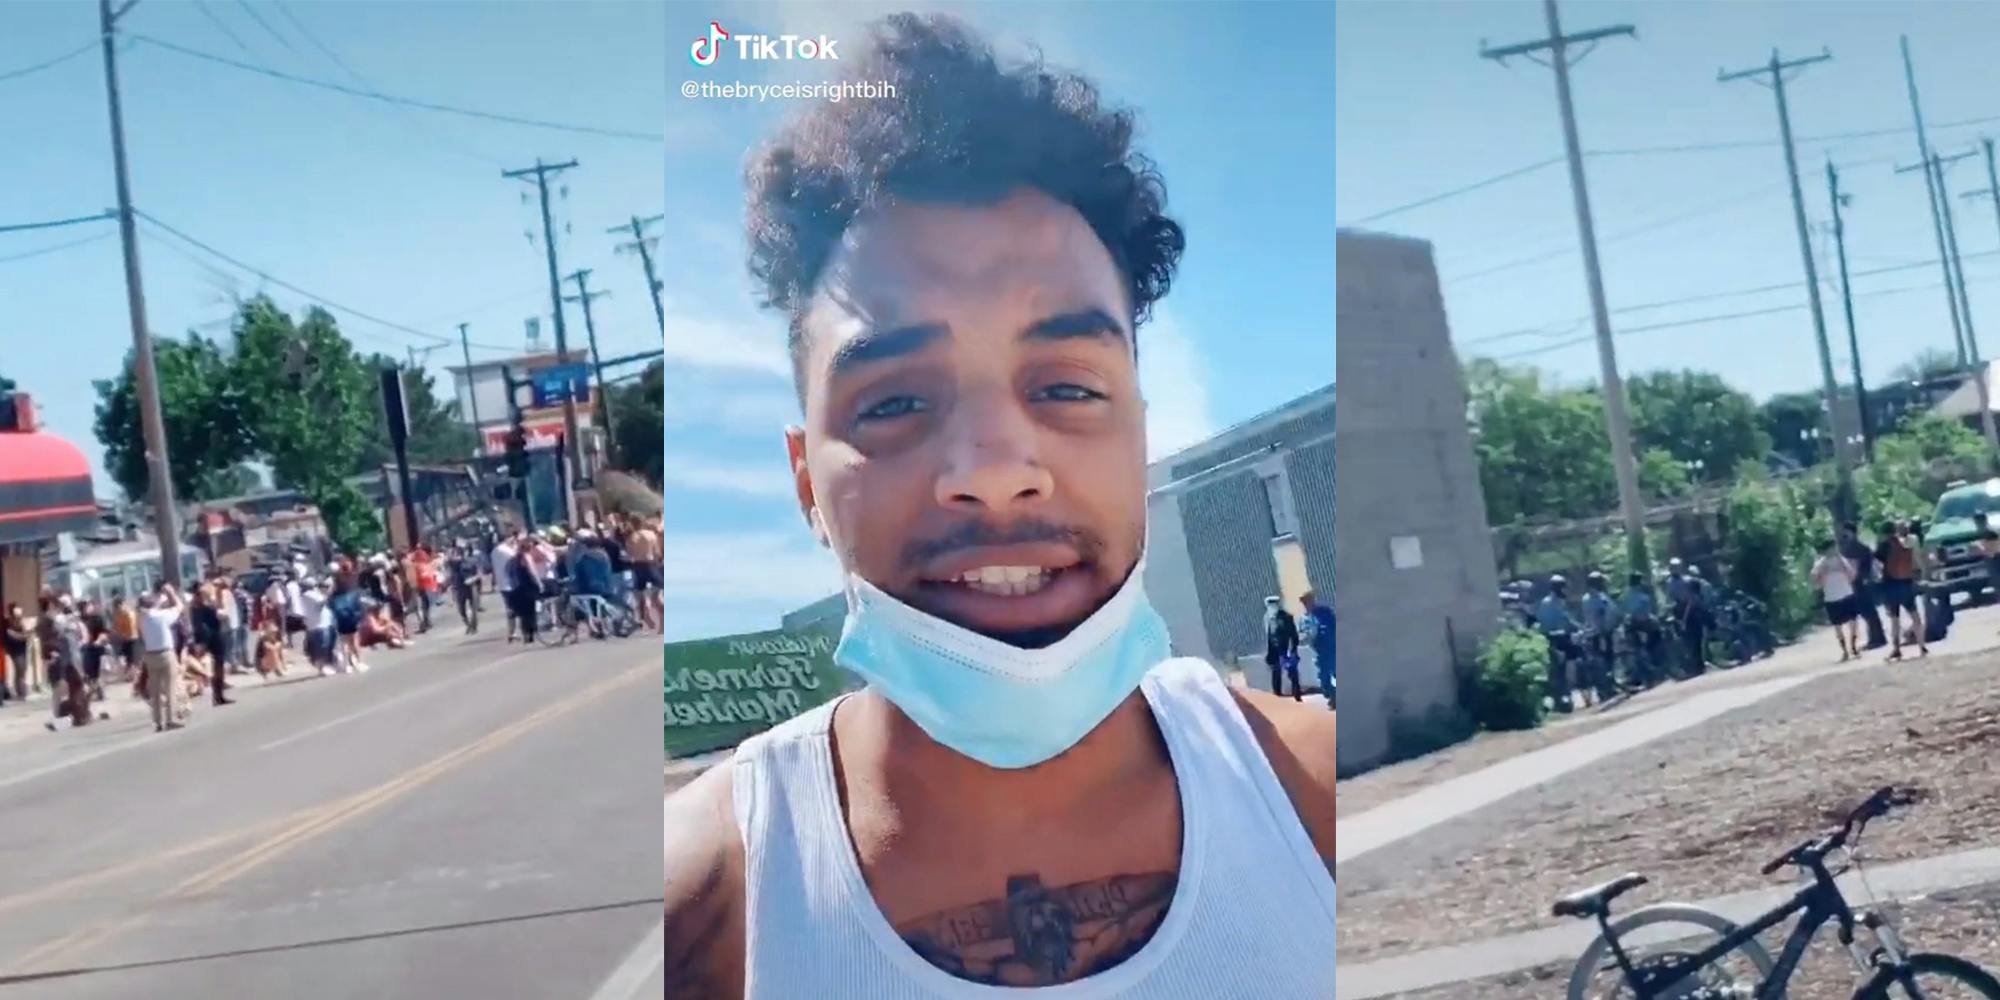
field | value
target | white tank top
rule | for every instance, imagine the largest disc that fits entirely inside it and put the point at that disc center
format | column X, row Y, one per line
column 1252, row 914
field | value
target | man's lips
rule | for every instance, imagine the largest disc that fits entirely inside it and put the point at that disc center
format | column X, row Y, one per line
column 1008, row 588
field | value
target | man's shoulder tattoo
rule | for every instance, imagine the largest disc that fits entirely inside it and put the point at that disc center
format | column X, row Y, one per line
column 1039, row 935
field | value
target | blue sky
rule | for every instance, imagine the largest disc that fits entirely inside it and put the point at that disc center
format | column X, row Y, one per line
column 1420, row 113
column 1235, row 104
column 398, row 213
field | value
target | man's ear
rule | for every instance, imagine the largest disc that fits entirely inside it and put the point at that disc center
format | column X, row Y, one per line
column 795, row 450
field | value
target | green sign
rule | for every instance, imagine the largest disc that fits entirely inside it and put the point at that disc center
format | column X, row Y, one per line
column 720, row 691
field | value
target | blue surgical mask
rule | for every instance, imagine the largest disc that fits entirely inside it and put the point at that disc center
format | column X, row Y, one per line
column 999, row 704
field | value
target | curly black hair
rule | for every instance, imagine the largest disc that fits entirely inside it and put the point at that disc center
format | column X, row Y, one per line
column 959, row 128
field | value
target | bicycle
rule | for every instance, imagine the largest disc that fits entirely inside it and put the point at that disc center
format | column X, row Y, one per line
column 1701, row 975
column 562, row 615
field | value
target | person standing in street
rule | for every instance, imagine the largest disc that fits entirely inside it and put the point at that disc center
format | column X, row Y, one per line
column 1689, row 598
column 1317, row 629
column 1867, row 582
column 1834, row 577
column 1281, row 646
column 464, row 571
column 125, row 636
column 14, row 644
column 205, row 618
column 97, row 646
column 642, row 549
column 158, row 615
column 295, row 622
column 504, row 552
column 1901, row 569
column 66, row 638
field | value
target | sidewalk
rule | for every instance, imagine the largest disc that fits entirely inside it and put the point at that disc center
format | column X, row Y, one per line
column 1455, row 797
column 1515, row 952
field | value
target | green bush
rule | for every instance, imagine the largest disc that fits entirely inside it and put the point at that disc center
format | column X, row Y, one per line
column 1770, row 546
column 1511, row 680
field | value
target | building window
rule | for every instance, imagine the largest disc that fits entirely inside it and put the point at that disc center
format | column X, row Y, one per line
column 1277, row 501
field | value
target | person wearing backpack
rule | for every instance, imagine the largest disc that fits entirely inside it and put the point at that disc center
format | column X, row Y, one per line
column 1897, row 554
column 347, row 617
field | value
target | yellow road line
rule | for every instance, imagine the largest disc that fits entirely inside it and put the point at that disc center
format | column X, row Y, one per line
column 337, row 814
column 151, row 860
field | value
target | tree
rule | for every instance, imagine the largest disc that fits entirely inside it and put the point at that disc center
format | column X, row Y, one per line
column 1796, row 425
column 638, row 427
column 1698, row 419
column 1542, row 450
column 202, row 412
column 1929, row 363
column 1662, row 476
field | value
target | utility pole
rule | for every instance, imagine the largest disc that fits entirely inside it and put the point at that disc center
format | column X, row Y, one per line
column 472, row 391
column 541, row 172
column 1842, row 453
column 584, row 295
column 1969, row 344
column 1616, row 421
column 159, row 464
column 1839, row 201
column 1937, row 219
column 643, row 244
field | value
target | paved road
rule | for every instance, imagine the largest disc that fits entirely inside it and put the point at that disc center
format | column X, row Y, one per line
column 469, row 819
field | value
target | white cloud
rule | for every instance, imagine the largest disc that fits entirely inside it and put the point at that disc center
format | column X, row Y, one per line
column 699, row 398
column 785, row 570
column 706, row 342
column 764, row 479
column 1171, row 375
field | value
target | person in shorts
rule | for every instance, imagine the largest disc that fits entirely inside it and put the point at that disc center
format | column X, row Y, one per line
column 1896, row 552
column 1834, row 577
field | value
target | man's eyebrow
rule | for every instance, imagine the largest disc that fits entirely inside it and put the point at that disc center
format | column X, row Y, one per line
column 877, row 346
column 1082, row 323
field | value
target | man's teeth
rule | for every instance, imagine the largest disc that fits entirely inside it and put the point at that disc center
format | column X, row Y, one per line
column 1007, row 581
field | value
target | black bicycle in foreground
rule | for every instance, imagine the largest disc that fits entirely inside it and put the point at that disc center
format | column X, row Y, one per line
column 1675, row 969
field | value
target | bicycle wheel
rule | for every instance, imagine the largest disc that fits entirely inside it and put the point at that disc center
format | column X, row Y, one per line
column 1658, row 932
column 549, row 623
column 1943, row 977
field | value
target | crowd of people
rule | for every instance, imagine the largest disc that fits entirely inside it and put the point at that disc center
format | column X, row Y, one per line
column 172, row 646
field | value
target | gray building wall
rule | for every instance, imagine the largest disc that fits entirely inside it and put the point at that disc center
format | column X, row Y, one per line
column 1221, row 516
column 1408, row 471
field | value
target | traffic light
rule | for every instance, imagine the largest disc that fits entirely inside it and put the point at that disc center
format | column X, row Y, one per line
column 517, row 453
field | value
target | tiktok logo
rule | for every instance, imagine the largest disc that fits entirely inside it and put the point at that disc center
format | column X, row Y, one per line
column 707, row 49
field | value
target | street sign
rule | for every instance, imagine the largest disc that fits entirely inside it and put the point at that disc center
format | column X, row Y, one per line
column 557, row 383
column 722, row 691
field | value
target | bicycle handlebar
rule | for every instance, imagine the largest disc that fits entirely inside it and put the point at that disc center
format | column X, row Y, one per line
column 1813, row 851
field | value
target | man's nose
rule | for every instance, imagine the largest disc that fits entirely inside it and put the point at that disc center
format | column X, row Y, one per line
column 993, row 460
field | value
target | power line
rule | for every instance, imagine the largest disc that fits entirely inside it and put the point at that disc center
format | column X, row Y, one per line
column 1455, row 192
column 428, row 135
column 1555, row 327
column 227, row 31
column 1674, row 220
column 392, row 99
column 55, row 223
column 49, row 63
column 314, row 296
column 1724, row 317
column 56, row 247
column 266, row 25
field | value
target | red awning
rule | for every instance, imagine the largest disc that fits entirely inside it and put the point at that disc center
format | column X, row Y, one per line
column 44, row 487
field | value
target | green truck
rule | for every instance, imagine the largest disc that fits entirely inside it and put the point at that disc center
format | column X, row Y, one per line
column 1956, row 564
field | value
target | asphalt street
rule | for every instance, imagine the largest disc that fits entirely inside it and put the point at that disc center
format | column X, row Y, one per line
column 468, row 819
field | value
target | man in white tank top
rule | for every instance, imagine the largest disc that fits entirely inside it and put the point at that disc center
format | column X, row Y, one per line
column 1029, row 791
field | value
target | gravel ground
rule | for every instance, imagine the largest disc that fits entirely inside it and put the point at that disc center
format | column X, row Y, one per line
column 1702, row 810
column 1964, row 922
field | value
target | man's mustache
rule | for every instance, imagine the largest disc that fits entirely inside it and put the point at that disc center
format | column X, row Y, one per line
column 980, row 534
